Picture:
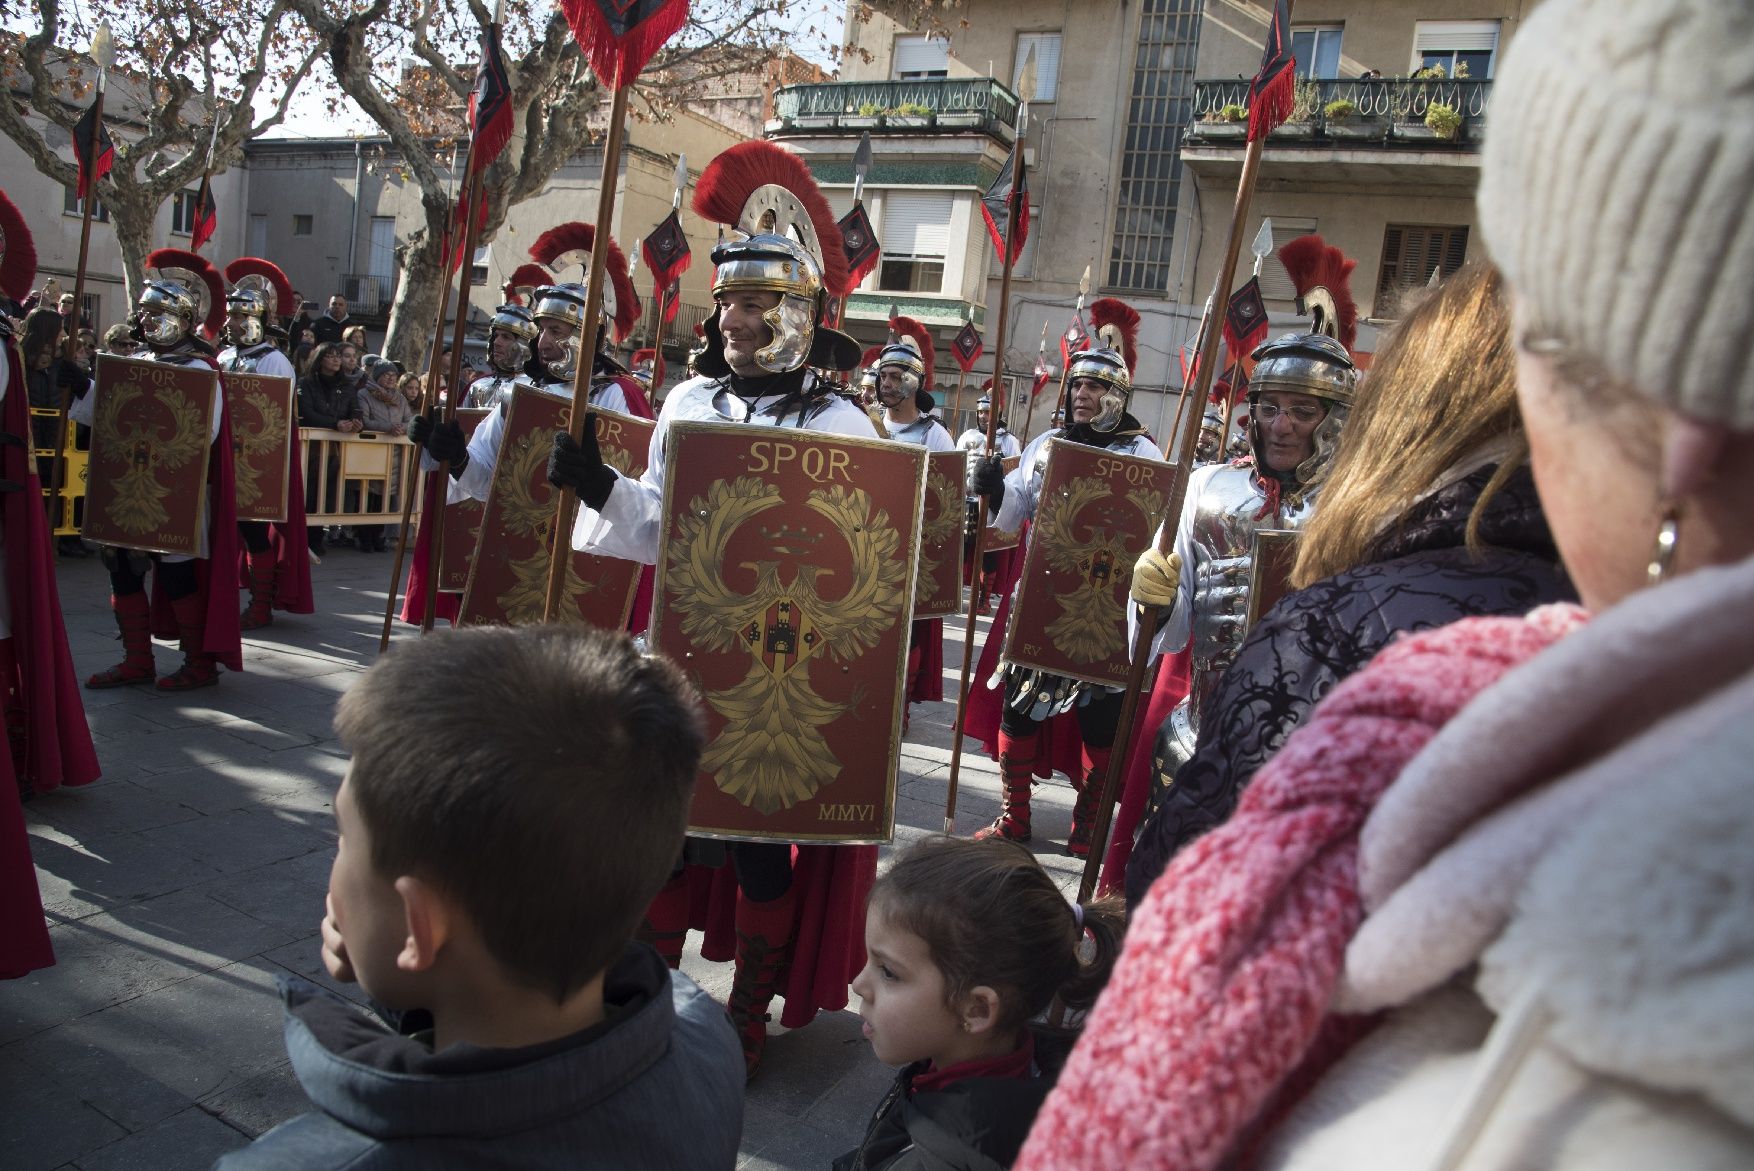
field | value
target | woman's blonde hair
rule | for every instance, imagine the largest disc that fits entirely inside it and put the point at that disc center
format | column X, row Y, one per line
column 1441, row 390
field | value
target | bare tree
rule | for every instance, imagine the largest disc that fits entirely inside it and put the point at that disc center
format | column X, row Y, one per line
column 555, row 101
column 181, row 67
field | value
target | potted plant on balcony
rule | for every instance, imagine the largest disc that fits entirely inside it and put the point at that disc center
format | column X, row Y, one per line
column 1443, row 120
column 908, row 116
column 1301, row 123
column 1228, row 121
column 866, row 116
column 1342, row 119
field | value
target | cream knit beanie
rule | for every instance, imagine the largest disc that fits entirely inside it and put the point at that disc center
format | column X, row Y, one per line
column 1616, row 187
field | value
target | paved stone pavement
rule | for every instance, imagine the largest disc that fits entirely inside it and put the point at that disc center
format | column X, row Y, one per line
column 193, row 872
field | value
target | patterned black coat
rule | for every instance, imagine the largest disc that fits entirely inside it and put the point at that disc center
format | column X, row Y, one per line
column 1420, row 575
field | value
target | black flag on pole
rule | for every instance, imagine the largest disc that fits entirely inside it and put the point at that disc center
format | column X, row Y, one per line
column 1274, row 90
column 91, row 142
column 206, row 217
column 995, row 205
column 490, row 103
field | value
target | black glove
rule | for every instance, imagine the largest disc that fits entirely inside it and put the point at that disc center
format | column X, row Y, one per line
column 579, row 466
column 419, row 428
column 989, row 481
column 445, row 443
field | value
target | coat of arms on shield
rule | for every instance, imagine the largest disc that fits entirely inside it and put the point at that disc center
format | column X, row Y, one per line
column 151, row 432
column 785, row 591
column 462, row 519
column 938, row 588
column 1097, row 512
column 509, row 580
column 263, row 433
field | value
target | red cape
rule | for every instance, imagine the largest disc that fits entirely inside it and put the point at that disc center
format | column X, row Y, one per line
column 927, row 684
column 221, row 637
column 448, row 605
column 833, row 883
column 58, row 749
column 289, row 540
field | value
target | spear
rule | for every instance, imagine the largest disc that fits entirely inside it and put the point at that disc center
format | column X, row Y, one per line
column 1041, row 357
column 103, row 52
column 618, row 43
column 428, row 404
column 1013, row 205
column 1187, row 436
column 861, row 168
column 1066, row 368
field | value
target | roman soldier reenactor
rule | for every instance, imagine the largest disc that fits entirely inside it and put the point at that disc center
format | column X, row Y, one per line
column 763, row 346
column 277, row 564
column 1100, row 388
column 190, row 602
column 511, row 343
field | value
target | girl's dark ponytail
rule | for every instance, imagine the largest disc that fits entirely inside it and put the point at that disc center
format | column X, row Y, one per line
column 1105, row 924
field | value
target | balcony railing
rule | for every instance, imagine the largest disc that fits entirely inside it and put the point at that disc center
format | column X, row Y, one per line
column 368, row 294
column 1384, row 111
column 944, row 104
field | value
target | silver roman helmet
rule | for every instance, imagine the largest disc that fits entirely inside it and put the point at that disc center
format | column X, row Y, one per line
column 259, row 296
column 1313, row 364
column 1110, row 361
column 515, row 322
column 563, row 304
column 167, row 312
column 559, row 248
column 788, row 244
column 183, row 293
column 912, row 354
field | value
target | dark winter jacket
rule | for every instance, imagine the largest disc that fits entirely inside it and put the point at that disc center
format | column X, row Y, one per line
column 976, row 1124
column 324, row 402
column 1419, row 575
column 658, row 1084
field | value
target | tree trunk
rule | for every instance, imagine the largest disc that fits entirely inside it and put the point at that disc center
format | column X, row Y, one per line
column 132, row 212
column 409, row 336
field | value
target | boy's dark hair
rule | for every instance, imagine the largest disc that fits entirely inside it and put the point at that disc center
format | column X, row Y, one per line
column 989, row 914
column 538, row 775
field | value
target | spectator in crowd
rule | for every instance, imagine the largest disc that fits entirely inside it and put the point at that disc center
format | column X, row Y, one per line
column 352, row 372
column 383, row 409
column 328, row 400
column 329, row 326
column 1430, row 515
column 66, row 308
column 302, row 319
column 504, row 901
column 1488, row 907
column 119, row 340
column 411, row 389
column 354, row 335
column 967, row 943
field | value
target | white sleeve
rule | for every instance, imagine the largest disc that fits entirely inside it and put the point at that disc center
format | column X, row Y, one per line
column 610, row 397
column 84, row 408
column 1172, row 636
column 477, row 478
column 276, row 365
column 631, row 521
column 1022, row 489
column 938, row 439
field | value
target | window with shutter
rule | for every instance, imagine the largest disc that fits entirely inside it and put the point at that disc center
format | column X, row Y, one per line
column 915, row 236
column 1410, row 254
column 1470, row 44
column 1047, row 62
column 920, row 57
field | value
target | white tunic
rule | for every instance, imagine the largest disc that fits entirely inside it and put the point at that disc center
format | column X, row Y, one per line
column 924, row 431
column 630, row 526
column 270, row 362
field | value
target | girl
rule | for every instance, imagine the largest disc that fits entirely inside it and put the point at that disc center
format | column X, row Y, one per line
column 967, row 942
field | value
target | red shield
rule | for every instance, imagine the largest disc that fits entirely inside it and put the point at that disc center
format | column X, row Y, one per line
column 462, row 520
column 1275, row 554
column 264, row 425
column 509, row 580
column 1098, row 511
column 784, row 591
column 150, row 441
column 938, row 588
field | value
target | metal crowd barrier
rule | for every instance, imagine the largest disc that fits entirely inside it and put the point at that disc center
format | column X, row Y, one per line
column 65, row 519
column 358, row 478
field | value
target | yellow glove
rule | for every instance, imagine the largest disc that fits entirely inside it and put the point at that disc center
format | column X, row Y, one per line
column 1157, row 578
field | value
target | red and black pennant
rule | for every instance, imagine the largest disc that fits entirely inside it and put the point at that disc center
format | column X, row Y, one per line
column 672, row 300
column 967, row 346
column 620, row 36
column 97, row 153
column 1074, row 339
column 858, row 240
column 1245, row 320
column 665, row 251
column 206, row 217
column 995, row 206
column 459, row 230
column 1273, row 91
column 490, row 104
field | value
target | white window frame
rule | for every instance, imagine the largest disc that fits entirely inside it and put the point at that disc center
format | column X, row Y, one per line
column 1047, row 62
column 1320, row 31
column 183, row 212
column 1456, row 36
column 918, row 47
column 920, row 237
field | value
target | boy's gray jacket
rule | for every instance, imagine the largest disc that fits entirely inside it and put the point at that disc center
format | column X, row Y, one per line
column 659, row 1085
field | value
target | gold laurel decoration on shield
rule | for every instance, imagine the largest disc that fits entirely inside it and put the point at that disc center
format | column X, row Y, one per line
column 523, row 466
column 937, row 526
column 771, row 753
column 1086, row 630
column 249, row 442
column 138, row 504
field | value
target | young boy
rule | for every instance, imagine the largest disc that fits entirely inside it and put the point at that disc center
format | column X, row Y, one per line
column 498, row 848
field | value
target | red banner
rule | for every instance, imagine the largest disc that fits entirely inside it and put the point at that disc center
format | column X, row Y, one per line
column 150, row 441
column 462, row 519
column 784, row 590
column 264, row 428
column 1098, row 511
column 509, row 580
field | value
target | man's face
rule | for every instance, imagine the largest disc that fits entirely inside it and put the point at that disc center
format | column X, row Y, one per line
column 337, row 307
column 368, row 912
column 1287, row 422
column 66, row 302
column 1086, row 399
column 504, row 346
column 744, row 331
column 892, row 387
column 983, row 418
column 552, row 342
